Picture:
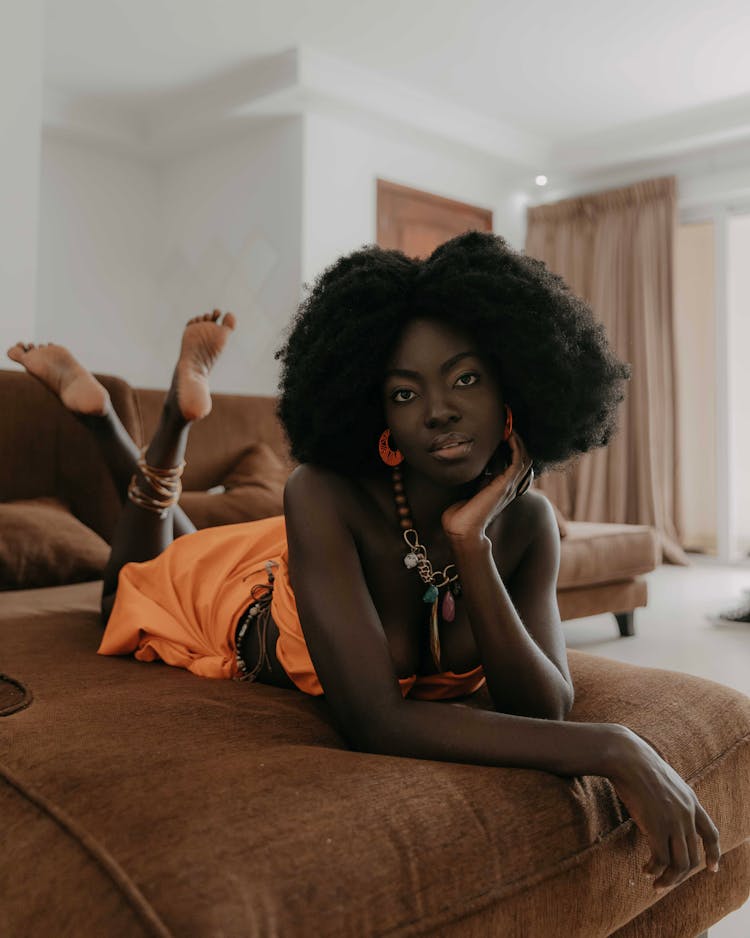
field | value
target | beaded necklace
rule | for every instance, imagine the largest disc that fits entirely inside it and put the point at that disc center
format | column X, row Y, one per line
column 435, row 579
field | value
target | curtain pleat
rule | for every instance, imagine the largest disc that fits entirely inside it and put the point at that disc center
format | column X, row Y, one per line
column 615, row 249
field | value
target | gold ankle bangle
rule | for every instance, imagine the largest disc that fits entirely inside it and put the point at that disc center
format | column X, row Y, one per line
column 165, row 482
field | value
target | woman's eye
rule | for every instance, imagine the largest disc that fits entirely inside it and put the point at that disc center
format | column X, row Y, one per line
column 400, row 400
column 467, row 384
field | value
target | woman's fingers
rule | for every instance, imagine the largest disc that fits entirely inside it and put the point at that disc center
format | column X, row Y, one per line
column 709, row 833
column 659, row 861
column 680, row 863
column 694, row 849
column 672, row 867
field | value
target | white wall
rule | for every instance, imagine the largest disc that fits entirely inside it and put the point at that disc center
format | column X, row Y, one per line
column 738, row 309
column 345, row 155
column 231, row 222
column 20, row 134
column 130, row 250
column 98, row 234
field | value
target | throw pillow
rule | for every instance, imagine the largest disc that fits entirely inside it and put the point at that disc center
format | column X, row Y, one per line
column 43, row 544
column 254, row 488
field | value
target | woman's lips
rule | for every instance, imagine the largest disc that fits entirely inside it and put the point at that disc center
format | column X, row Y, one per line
column 452, row 451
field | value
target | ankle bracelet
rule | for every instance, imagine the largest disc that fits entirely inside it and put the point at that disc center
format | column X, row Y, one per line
column 165, row 482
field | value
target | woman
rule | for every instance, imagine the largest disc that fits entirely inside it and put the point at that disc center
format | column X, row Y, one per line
column 412, row 563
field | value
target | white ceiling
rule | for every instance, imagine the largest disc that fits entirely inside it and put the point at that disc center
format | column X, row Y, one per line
column 561, row 70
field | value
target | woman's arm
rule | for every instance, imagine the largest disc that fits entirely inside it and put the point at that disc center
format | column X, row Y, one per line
column 350, row 654
column 517, row 629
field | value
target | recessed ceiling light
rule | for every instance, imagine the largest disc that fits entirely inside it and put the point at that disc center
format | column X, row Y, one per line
column 541, row 180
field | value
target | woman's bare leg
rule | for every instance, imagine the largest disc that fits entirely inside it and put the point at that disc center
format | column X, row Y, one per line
column 140, row 534
column 89, row 401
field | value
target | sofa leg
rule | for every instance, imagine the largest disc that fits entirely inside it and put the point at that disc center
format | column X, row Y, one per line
column 626, row 625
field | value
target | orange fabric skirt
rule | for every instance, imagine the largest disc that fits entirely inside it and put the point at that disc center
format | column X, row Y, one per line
column 183, row 608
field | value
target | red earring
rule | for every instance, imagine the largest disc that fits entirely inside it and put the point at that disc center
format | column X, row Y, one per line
column 391, row 457
column 508, row 422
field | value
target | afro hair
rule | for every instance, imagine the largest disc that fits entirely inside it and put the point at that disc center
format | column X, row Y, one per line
column 553, row 360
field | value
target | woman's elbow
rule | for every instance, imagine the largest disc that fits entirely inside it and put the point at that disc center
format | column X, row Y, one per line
column 567, row 705
column 557, row 710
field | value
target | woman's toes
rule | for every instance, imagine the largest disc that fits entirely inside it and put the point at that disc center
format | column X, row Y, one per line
column 216, row 314
column 229, row 320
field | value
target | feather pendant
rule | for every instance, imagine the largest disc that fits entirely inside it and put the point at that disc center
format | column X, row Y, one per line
column 435, row 635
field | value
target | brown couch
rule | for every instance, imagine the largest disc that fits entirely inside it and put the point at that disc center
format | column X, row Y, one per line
column 141, row 800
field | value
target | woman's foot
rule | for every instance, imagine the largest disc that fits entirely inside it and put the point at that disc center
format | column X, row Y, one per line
column 202, row 343
column 56, row 368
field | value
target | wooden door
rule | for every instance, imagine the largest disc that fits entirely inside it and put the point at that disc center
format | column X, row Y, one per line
column 416, row 222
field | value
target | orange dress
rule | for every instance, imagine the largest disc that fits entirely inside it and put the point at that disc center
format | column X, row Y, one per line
column 183, row 607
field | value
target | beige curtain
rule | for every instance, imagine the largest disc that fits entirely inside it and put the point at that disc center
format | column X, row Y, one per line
column 615, row 249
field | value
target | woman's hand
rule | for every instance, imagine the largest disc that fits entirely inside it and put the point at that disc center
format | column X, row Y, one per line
column 470, row 518
column 666, row 811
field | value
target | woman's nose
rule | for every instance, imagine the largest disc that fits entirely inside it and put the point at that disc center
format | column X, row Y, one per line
column 439, row 411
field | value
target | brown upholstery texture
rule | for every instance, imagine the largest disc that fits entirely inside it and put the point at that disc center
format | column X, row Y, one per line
column 605, row 553
column 57, row 453
column 711, row 898
column 217, row 807
column 623, row 596
column 43, row 544
column 28, row 425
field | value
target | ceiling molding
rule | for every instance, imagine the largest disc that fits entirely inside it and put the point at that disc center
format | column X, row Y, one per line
column 705, row 128
column 713, row 175
column 302, row 81
column 110, row 124
column 326, row 78
column 290, row 83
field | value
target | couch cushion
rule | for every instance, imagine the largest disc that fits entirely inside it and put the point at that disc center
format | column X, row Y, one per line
column 29, row 419
column 592, row 554
column 218, row 807
column 43, row 544
column 72, row 599
column 254, row 488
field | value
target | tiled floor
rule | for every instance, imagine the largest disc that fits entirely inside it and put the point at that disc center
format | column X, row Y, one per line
column 673, row 632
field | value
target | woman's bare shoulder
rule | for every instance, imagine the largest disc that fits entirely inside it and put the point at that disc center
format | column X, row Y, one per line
column 532, row 509
column 315, row 487
column 527, row 518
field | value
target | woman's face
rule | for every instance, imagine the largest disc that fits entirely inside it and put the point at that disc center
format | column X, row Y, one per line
column 443, row 403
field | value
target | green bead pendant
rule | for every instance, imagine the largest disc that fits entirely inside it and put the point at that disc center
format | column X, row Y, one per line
column 431, row 594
